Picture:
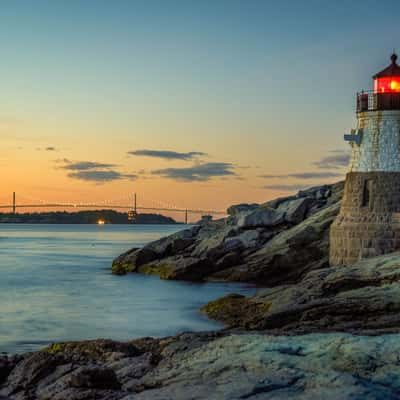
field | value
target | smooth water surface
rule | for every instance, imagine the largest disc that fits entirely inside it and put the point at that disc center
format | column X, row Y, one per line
column 56, row 285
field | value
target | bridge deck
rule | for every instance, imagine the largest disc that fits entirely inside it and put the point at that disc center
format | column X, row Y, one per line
column 116, row 207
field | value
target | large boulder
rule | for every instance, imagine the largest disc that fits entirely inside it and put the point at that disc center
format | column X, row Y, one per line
column 296, row 210
column 211, row 241
column 261, row 217
column 164, row 247
column 174, row 243
column 288, row 255
column 179, row 268
column 131, row 260
column 318, row 192
column 241, row 208
column 275, row 203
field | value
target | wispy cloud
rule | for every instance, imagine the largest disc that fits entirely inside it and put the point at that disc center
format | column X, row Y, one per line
column 93, row 171
column 48, row 148
column 337, row 159
column 305, row 175
column 85, row 165
column 167, row 154
column 200, row 172
column 100, row 176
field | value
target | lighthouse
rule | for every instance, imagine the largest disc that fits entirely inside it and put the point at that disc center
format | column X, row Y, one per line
column 368, row 223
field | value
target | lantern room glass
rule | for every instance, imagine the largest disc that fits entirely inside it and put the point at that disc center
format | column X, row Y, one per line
column 387, row 84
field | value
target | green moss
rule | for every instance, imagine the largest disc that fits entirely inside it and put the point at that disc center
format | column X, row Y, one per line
column 236, row 310
column 164, row 271
column 91, row 349
column 122, row 268
column 215, row 308
column 55, row 348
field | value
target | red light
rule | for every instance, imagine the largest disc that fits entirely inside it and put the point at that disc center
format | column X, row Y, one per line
column 390, row 84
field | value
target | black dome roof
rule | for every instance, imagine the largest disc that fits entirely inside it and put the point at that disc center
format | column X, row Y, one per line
column 392, row 70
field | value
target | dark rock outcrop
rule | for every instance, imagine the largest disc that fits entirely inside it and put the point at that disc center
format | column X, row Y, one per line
column 276, row 242
column 7, row 364
column 363, row 298
column 96, row 369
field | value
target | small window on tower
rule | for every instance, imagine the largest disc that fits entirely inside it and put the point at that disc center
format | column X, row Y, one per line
column 367, row 192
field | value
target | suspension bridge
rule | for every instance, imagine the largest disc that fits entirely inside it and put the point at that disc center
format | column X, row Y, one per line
column 130, row 205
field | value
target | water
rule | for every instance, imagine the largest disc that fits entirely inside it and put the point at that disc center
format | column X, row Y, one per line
column 56, row 285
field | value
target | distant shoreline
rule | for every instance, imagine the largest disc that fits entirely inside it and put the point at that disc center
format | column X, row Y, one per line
column 87, row 223
column 96, row 217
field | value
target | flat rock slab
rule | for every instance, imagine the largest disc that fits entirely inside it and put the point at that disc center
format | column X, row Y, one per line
column 218, row 366
column 316, row 366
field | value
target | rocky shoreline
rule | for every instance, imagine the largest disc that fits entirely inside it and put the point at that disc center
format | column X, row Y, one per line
column 311, row 332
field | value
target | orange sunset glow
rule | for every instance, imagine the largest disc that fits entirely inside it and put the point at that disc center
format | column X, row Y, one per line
column 92, row 120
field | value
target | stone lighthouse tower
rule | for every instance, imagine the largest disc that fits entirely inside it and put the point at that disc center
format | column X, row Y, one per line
column 369, row 220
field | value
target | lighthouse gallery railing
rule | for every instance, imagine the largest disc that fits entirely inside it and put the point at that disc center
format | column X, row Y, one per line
column 372, row 101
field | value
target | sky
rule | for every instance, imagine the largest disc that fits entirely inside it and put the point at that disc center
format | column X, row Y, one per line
column 197, row 104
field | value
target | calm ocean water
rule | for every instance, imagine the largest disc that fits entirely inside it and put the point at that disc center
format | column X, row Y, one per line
column 56, row 285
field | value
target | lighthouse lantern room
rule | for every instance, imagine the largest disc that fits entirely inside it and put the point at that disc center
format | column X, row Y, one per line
column 388, row 80
column 385, row 95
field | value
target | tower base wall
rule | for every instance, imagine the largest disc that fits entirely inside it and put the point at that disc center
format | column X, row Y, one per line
column 369, row 220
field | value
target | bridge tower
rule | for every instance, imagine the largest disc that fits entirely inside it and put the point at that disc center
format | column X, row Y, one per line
column 132, row 214
column 369, row 220
column 14, row 206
